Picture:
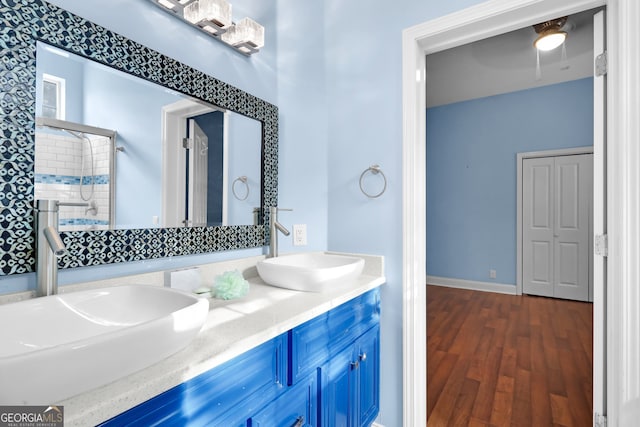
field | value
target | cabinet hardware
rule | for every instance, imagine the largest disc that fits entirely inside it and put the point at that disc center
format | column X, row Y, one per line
column 363, row 357
column 355, row 365
column 299, row 422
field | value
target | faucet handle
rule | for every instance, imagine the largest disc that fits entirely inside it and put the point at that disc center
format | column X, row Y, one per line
column 274, row 209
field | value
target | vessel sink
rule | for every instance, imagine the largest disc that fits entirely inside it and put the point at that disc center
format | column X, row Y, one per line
column 311, row 271
column 58, row 346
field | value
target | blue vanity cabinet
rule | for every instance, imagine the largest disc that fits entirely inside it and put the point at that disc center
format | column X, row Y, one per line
column 343, row 346
column 350, row 384
column 324, row 372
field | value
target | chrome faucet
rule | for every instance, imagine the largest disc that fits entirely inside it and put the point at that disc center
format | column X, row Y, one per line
column 274, row 227
column 49, row 245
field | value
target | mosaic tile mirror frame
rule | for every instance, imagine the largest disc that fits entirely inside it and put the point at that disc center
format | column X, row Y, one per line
column 24, row 23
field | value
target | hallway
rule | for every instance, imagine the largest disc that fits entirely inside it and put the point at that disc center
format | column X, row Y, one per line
column 504, row 360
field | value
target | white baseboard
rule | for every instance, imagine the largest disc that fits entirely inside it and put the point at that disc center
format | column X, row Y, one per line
column 376, row 425
column 501, row 288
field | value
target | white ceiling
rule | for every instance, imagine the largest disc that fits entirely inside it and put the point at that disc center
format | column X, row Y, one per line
column 507, row 63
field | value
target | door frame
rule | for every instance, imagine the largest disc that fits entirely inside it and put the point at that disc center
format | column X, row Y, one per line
column 174, row 129
column 519, row 232
column 481, row 21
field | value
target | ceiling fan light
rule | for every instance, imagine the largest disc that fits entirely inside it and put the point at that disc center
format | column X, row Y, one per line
column 550, row 40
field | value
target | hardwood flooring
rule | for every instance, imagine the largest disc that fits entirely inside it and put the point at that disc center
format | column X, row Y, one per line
column 504, row 360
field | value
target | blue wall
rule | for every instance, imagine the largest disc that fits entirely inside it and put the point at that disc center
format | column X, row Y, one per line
column 363, row 97
column 244, row 158
column 131, row 107
column 471, row 172
column 48, row 62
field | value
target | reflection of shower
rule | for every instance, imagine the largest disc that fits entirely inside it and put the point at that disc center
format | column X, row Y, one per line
column 82, row 137
column 57, row 171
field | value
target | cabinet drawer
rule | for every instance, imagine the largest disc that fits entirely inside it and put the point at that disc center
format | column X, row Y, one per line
column 297, row 407
column 221, row 396
column 315, row 341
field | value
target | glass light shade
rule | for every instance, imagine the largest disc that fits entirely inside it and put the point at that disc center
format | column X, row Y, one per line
column 246, row 31
column 550, row 40
column 217, row 12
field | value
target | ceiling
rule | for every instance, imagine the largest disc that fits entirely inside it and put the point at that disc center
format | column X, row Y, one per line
column 507, row 63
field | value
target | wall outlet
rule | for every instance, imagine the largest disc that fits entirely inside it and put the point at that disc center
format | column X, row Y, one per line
column 492, row 274
column 299, row 234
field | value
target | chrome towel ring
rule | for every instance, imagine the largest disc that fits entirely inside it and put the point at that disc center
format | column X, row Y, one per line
column 242, row 179
column 375, row 170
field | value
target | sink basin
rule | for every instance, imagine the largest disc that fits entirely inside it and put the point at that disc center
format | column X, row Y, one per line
column 311, row 272
column 58, row 346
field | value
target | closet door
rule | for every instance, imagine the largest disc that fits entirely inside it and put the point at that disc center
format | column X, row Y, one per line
column 571, row 246
column 537, row 226
column 556, row 208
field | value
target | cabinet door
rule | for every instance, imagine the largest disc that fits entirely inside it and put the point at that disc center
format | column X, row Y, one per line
column 297, row 407
column 337, row 396
column 350, row 391
column 368, row 358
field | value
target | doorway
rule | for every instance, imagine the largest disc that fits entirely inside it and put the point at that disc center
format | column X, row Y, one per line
column 187, row 196
column 475, row 23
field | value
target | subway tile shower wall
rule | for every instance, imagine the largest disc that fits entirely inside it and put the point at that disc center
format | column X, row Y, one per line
column 58, row 175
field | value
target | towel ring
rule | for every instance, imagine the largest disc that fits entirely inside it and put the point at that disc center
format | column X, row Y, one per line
column 242, row 179
column 375, row 170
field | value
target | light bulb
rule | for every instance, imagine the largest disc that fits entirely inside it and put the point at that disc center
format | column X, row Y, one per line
column 549, row 41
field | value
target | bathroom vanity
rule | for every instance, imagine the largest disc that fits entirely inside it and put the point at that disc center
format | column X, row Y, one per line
column 274, row 357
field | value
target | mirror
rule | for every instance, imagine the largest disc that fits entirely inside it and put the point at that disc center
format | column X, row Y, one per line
column 132, row 154
column 38, row 21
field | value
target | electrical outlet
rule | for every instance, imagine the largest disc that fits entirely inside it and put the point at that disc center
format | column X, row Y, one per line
column 492, row 274
column 299, row 234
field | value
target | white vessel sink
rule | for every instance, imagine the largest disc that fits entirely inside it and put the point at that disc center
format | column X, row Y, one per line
column 58, row 346
column 311, row 272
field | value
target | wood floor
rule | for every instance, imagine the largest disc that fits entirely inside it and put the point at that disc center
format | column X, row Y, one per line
column 504, row 360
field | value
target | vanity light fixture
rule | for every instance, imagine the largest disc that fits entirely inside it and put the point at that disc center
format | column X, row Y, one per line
column 214, row 18
column 247, row 36
column 550, row 34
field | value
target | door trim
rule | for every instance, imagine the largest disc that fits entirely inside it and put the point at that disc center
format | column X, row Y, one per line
column 174, row 128
column 519, row 232
column 483, row 20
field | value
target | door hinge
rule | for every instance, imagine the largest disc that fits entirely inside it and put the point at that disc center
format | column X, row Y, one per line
column 601, row 64
column 601, row 245
column 599, row 420
column 187, row 143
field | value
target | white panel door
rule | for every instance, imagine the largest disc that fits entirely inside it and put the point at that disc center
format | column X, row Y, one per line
column 571, row 238
column 556, row 208
column 537, row 220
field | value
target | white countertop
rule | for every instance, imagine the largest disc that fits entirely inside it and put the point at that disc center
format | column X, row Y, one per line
column 232, row 328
